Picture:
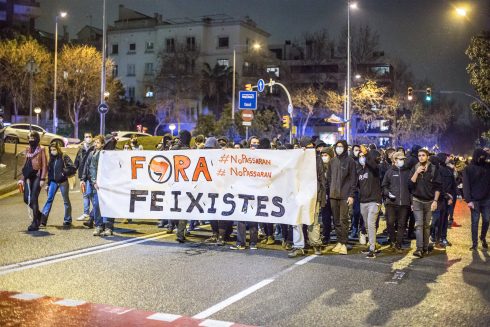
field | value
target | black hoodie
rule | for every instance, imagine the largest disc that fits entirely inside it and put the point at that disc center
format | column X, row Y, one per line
column 427, row 183
column 395, row 181
column 476, row 178
column 369, row 178
column 341, row 176
column 447, row 176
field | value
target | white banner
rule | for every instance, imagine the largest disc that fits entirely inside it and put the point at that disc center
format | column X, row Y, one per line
column 273, row 186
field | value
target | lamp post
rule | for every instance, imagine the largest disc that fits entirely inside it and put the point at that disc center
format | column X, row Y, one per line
column 55, row 80
column 102, row 74
column 256, row 47
column 172, row 128
column 37, row 111
column 350, row 5
column 31, row 68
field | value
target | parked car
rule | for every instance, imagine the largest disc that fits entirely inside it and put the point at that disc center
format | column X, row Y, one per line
column 18, row 133
column 126, row 135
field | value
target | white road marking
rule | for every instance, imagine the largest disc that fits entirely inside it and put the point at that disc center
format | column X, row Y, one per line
column 79, row 253
column 168, row 317
column 216, row 323
column 26, row 296
column 69, row 303
column 305, row 260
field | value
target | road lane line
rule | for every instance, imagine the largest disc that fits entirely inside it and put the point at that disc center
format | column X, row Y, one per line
column 79, row 253
column 237, row 297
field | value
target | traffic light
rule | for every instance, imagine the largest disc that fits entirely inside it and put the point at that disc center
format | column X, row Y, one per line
column 285, row 121
column 428, row 94
column 410, row 93
column 248, row 87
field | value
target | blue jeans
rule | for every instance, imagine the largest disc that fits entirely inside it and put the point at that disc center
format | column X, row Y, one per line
column 94, row 197
column 438, row 226
column 481, row 208
column 86, row 201
column 64, row 189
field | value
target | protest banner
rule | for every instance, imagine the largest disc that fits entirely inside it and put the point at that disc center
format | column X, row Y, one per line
column 241, row 185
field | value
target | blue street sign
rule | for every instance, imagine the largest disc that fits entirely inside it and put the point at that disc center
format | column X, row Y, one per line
column 260, row 85
column 103, row 108
column 247, row 100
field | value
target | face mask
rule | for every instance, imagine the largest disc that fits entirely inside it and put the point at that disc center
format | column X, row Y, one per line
column 32, row 143
column 362, row 160
column 356, row 153
column 88, row 139
column 339, row 150
column 254, row 146
column 325, row 159
column 54, row 153
column 399, row 163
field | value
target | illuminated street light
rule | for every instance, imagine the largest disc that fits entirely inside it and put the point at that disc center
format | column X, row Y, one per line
column 37, row 111
column 62, row 14
column 358, row 76
column 461, row 12
column 172, row 128
column 353, row 5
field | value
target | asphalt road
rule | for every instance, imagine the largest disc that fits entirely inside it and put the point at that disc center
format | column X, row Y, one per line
column 263, row 287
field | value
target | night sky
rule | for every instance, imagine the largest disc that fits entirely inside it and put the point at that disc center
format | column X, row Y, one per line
column 424, row 33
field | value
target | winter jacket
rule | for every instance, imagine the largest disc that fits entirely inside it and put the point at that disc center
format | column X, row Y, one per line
column 369, row 178
column 476, row 178
column 81, row 158
column 60, row 168
column 321, row 181
column 91, row 165
column 427, row 184
column 37, row 161
column 395, row 182
column 341, row 176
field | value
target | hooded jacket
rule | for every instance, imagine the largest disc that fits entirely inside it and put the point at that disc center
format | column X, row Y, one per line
column 476, row 178
column 60, row 167
column 341, row 175
column 184, row 141
column 427, row 184
column 211, row 143
column 81, row 158
column 412, row 160
column 447, row 176
column 395, row 182
column 369, row 178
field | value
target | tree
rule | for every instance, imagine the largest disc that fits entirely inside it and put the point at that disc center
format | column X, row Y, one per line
column 479, row 71
column 14, row 78
column 364, row 44
column 216, row 85
column 79, row 81
column 308, row 100
column 177, row 84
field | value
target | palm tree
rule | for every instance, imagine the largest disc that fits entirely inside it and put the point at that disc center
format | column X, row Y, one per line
column 216, row 85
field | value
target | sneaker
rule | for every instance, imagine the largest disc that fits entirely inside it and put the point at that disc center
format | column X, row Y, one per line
column 455, row 224
column 371, row 255
column 83, row 217
column 418, row 254
column 484, row 243
column 170, row 231
column 98, row 231
column 181, row 240
column 439, row 246
column 270, row 240
column 237, row 247
column 337, row 248
column 67, row 224
column 220, row 242
column 398, row 250
column 264, row 241
column 447, row 243
column 296, row 253
column 212, row 239
column 88, row 224
column 32, row 228
column 362, row 239
column 316, row 250
column 107, row 232
column 253, row 246
column 288, row 247
column 44, row 220
column 474, row 248
column 161, row 224
column 343, row 249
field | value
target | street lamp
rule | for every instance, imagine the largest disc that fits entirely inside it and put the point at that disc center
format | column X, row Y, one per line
column 350, row 5
column 55, row 104
column 32, row 69
column 102, row 74
column 37, row 111
column 172, row 128
column 256, row 47
column 461, row 12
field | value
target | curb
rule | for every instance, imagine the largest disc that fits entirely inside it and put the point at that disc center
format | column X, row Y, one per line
column 9, row 187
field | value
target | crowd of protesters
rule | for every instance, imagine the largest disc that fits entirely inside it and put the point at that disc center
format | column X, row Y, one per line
column 415, row 190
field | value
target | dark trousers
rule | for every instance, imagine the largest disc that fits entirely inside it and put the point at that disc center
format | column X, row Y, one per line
column 269, row 229
column 340, row 211
column 32, row 188
column 439, row 222
column 357, row 223
column 242, row 232
column 395, row 218
column 287, row 233
column 481, row 208
column 326, row 214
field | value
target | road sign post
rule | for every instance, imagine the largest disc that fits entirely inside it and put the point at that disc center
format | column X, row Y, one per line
column 103, row 108
column 247, row 100
column 260, row 85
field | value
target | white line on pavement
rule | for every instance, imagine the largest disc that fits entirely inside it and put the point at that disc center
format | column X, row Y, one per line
column 79, row 253
column 237, row 297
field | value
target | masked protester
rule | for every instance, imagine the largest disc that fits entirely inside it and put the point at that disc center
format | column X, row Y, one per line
column 33, row 178
column 135, row 145
column 397, row 199
column 358, row 229
column 369, row 181
column 342, row 181
column 60, row 167
column 2, row 134
column 476, row 181
column 326, row 154
column 425, row 186
column 80, row 160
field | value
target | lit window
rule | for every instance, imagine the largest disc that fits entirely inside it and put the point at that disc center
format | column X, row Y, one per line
column 223, row 62
column 273, row 71
column 149, row 46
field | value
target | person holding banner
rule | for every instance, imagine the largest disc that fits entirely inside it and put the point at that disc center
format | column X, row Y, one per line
column 342, row 181
column 89, row 183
